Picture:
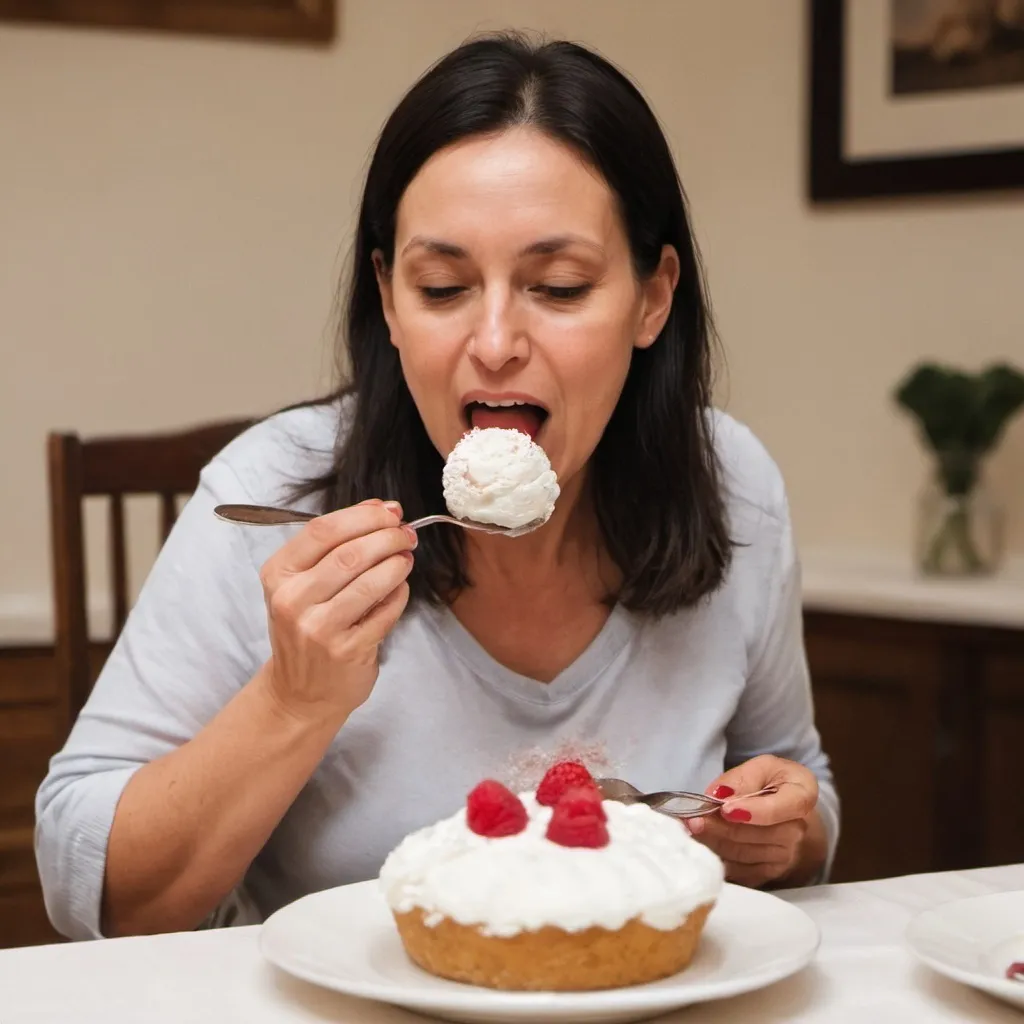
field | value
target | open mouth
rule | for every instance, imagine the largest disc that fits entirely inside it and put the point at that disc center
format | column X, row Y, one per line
column 508, row 414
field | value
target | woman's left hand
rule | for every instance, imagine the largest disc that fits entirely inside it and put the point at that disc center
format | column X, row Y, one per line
column 765, row 838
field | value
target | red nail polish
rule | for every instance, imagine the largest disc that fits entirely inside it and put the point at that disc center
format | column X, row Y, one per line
column 723, row 792
column 737, row 814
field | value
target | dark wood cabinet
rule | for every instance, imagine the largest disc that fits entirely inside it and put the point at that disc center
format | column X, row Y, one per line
column 29, row 736
column 876, row 709
column 1003, row 746
column 27, row 740
column 923, row 722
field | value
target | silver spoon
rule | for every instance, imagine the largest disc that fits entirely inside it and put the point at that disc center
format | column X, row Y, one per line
column 676, row 803
column 267, row 515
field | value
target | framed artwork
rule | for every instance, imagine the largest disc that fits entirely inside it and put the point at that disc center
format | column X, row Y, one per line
column 310, row 21
column 915, row 96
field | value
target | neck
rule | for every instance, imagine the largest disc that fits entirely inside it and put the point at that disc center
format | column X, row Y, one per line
column 569, row 543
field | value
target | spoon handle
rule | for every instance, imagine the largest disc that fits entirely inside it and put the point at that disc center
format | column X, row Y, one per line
column 267, row 515
column 262, row 515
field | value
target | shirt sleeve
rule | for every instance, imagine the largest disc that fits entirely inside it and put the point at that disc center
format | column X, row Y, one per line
column 775, row 714
column 195, row 636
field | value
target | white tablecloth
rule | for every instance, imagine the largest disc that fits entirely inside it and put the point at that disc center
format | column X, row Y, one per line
column 862, row 974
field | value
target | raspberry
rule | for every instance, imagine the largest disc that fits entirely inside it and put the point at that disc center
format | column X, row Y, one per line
column 560, row 777
column 494, row 811
column 579, row 819
column 582, row 800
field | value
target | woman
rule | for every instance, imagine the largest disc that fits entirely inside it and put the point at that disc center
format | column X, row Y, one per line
column 284, row 705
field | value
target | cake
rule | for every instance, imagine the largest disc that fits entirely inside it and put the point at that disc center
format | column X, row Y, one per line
column 500, row 476
column 552, row 890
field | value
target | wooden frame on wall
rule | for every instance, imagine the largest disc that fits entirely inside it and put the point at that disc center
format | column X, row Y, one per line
column 308, row 21
column 834, row 175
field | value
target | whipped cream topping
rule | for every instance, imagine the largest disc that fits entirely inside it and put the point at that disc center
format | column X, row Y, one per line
column 651, row 869
column 499, row 476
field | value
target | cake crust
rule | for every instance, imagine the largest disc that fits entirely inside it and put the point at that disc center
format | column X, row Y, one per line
column 550, row 958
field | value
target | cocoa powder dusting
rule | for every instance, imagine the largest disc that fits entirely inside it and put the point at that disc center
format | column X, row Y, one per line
column 525, row 768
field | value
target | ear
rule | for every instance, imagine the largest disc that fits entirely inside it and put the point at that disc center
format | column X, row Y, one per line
column 387, row 295
column 658, row 290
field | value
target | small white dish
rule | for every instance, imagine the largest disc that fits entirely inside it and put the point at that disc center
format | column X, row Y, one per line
column 974, row 941
column 345, row 939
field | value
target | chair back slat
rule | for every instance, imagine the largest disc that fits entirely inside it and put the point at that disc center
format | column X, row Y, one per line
column 168, row 513
column 118, row 562
column 68, row 557
column 152, row 464
column 165, row 465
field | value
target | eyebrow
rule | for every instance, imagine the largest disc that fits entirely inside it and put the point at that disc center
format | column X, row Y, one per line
column 542, row 247
column 435, row 245
column 549, row 246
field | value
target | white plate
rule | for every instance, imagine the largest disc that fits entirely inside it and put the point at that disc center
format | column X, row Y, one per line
column 345, row 939
column 974, row 941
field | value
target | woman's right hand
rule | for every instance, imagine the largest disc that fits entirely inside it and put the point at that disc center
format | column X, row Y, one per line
column 333, row 593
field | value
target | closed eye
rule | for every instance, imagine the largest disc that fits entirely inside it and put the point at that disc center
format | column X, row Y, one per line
column 559, row 293
column 441, row 294
column 563, row 293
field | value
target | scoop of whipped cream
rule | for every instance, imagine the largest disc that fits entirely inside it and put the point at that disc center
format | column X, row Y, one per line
column 500, row 476
column 651, row 869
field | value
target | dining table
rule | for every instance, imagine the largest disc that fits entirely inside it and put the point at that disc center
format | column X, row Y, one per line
column 863, row 972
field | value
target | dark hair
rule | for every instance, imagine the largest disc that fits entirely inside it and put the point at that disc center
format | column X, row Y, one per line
column 654, row 476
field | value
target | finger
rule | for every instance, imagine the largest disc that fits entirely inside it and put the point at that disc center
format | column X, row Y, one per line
column 327, row 532
column 714, row 830
column 344, row 564
column 738, row 852
column 359, row 645
column 796, row 797
column 366, row 591
column 794, row 800
column 747, row 777
column 381, row 619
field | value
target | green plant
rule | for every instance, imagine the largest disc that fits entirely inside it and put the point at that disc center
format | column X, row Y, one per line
column 961, row 418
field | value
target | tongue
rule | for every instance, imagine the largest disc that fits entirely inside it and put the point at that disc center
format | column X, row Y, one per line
column 524, row 418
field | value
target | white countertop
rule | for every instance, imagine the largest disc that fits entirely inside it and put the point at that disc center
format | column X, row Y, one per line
column 862, row 972
column 835, row 579
column 872, row 583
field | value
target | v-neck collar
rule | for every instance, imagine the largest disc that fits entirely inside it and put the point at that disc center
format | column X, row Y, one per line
column 599, row 654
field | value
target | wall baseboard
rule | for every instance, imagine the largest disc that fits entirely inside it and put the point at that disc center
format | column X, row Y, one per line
column 26, row 619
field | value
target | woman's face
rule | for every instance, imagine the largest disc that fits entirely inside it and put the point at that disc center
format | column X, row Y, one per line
column 512, row 300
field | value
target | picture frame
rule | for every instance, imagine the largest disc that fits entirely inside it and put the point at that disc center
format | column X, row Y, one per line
column 295, row 21
column 834, row 174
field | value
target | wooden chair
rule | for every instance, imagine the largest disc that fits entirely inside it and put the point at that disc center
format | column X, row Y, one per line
column 166, row 465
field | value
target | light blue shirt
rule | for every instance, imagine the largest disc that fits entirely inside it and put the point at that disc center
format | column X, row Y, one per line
column 666, row 704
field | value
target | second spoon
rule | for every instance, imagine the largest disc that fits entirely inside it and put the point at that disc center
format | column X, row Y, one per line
column 268, row 515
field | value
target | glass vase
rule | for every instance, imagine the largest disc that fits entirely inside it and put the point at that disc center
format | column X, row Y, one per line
column 959, row 534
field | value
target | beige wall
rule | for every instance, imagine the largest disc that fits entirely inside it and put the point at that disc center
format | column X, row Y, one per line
column 173, row 214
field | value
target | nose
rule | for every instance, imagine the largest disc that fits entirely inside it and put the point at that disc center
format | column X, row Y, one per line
column 497, row 337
